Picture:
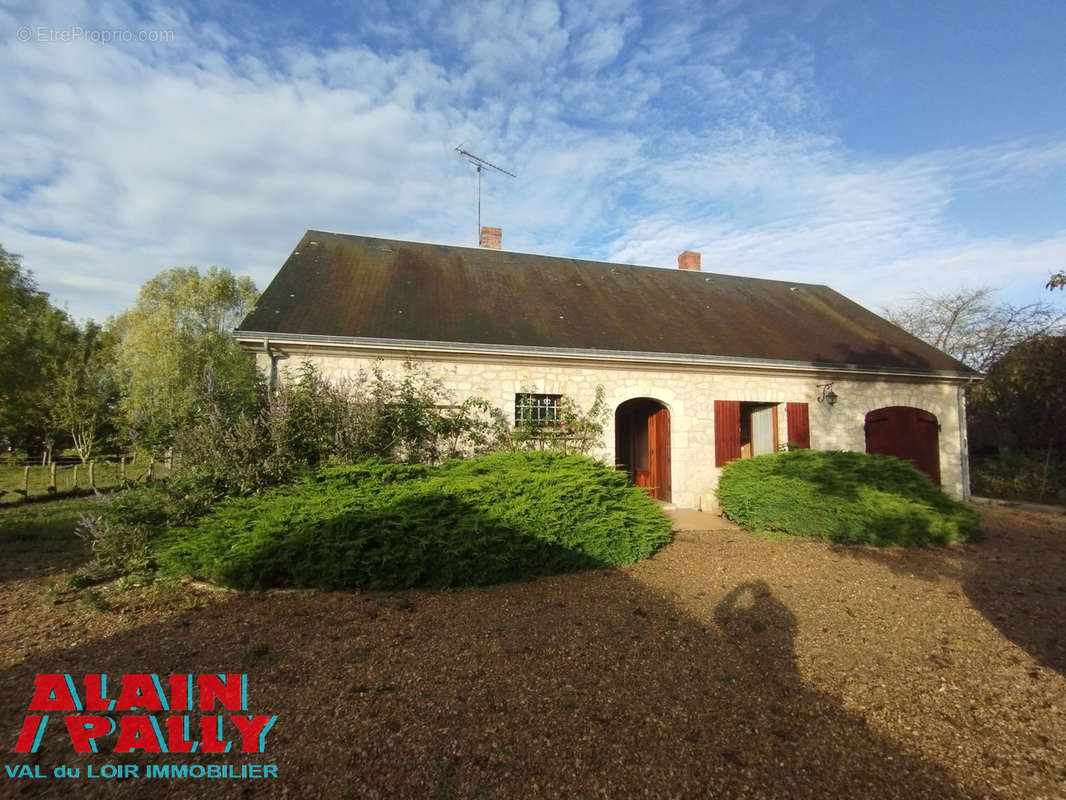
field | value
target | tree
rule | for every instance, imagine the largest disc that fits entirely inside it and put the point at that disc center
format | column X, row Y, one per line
column 36, row 338
column 1022, row 402
column 971, row 326
column 84, row 395
column 21, row 305
column 176, row 357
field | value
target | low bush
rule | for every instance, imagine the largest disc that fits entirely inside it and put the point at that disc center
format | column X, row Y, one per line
column 120, row 532
column 312, row 422
column 378, row 524
column 1019, row 477
column 853, row 498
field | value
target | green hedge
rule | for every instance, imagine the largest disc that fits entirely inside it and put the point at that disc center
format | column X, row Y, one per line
column 853, row 498
column 383, row 525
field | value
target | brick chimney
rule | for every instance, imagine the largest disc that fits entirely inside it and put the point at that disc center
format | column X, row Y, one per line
column 689, row 260
column 490, row 238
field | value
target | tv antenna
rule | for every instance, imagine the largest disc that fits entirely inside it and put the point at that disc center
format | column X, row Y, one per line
column 479, row 164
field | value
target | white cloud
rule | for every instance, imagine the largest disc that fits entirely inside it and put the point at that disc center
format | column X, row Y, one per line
column 877, row 230
column 727, row 39
column 633, row 139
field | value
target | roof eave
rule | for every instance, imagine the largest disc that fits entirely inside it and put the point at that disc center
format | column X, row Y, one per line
column 259, row 338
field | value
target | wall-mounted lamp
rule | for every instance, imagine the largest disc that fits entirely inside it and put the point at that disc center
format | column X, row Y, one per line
column 827, row 395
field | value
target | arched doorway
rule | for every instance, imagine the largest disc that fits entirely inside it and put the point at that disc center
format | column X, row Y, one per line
column 642, row 444
column 907, row 433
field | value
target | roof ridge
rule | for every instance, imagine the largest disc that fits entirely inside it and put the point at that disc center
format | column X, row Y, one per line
column 484, row 250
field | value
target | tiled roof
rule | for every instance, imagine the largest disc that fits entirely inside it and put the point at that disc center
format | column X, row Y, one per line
column 337, row 285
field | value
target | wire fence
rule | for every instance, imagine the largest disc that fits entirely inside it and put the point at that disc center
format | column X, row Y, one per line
column 66, row 477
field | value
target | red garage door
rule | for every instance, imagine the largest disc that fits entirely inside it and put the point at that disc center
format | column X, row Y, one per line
column 907, row 433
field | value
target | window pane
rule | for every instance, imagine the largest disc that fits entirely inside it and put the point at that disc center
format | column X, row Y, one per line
column 539, row 409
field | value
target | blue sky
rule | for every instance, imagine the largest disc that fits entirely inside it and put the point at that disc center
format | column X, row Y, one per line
column 881, row 148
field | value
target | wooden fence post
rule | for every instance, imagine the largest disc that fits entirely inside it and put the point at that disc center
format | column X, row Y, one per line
column 122, row 470
column 75, row 476
column 52, row 478
column 151, row 468
column 26, row 481
column 92, row 475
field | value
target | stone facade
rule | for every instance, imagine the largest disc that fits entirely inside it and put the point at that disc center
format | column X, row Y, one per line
column 687, row 390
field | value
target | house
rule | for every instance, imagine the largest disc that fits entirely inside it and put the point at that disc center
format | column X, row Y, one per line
column 698, row 368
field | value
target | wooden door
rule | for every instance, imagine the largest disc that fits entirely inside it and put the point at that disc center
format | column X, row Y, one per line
column 659, row 453
column 907, row 433
column 642, row 445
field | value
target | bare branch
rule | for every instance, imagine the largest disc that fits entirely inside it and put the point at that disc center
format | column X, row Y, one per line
column 971, row 326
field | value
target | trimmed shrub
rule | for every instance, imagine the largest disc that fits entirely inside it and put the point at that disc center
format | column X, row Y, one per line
column 852, row 498
column 378, row 524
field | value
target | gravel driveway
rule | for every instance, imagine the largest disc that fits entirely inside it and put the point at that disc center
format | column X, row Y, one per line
column 726, row 666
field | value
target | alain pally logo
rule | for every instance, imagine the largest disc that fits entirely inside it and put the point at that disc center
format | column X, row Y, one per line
column 182, row 717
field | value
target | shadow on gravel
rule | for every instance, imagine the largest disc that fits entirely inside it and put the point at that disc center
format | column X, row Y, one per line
column 574, row 686
column 1016, row 577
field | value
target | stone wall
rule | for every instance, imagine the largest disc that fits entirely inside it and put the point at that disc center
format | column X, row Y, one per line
column 688, row 392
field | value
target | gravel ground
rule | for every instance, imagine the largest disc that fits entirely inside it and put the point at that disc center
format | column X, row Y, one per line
column 726, row 666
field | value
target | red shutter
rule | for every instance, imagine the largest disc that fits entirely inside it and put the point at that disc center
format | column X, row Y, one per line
column 799, row 425
column 726, row 431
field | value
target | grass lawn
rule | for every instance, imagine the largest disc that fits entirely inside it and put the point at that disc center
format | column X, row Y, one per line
column 726, row 663
column 44, row 531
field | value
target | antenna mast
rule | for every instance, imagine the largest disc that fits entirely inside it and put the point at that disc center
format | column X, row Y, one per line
column 479, row 164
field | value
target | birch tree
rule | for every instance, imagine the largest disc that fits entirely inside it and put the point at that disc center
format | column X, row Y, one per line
column 84, row 392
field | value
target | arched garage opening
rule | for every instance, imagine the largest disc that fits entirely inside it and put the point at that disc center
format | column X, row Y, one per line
column 907, row 433
column 642, row 444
